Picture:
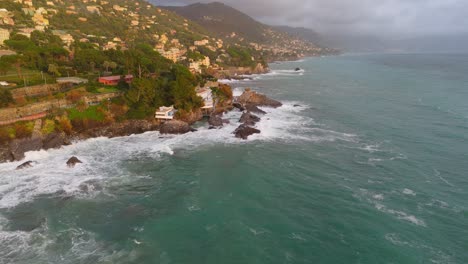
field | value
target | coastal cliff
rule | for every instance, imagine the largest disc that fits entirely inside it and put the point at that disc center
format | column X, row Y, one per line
column 248, row 103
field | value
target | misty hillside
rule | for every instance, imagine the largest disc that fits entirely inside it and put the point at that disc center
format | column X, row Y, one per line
column 227, row 22
column 223, row 20
column 302, row 33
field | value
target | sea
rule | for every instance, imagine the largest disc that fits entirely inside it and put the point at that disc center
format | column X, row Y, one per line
column 365, row 162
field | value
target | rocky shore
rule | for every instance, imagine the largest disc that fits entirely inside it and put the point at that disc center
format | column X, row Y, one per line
column 249, row 103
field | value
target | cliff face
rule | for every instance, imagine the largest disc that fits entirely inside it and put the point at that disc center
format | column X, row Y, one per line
column 15, row 150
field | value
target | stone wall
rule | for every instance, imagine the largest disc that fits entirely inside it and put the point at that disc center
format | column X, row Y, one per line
column 38, row 110
column 35, row 91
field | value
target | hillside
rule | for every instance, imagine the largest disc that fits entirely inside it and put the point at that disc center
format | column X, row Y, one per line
column 235, row 26
column 302, row 33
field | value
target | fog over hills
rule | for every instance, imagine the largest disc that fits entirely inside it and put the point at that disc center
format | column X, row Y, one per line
column 388, row 25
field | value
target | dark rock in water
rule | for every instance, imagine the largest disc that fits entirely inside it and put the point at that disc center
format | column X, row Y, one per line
column 254, row 109
column 244, row 131
column 226, row 121
column 297, row 105
column 20, row 146
column 239, row 106
column 27, row 164
column 256, row 99
column 297, row 69
column 54, row 140
column 193, row 130
column 73, row 161
column 215, row 121
column 249, row 119
column 175, row 127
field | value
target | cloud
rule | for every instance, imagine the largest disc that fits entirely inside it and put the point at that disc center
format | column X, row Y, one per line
column 381, row 17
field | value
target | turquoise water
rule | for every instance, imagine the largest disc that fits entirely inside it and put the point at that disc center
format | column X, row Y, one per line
column 366, row 162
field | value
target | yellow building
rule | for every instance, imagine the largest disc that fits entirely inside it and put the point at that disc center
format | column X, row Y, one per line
column 4, row 35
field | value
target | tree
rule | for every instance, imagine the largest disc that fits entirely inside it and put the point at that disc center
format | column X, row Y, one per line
column 53, row 69
column 4, row 67
column 15, row 60
column 183, row 89
column 6, row 98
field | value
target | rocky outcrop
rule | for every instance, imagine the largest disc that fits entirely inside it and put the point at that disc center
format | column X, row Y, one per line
column 55, row 140
column 73, row 161
column 16, row 149
column 27, row 164
column 175, row 127
column 244, row 131
column 192, row 117
column 239, row 73
column 253, row 98
column 126, row 128
column 239, row 106
column 254, row 109
column 20, row 146
column 249, row 119
column 215, row 121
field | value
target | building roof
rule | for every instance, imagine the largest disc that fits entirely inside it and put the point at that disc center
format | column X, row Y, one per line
column 75, row 80
column 115, row 77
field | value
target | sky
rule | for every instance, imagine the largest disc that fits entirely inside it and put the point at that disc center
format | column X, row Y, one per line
column 367, row 17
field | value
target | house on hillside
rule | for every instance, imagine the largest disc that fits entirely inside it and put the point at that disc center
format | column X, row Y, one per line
column 165, row 113
column 114, row 80
column 4, row 35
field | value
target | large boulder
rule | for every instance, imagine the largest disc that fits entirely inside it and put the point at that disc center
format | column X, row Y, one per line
column 54, row 140
column 20, row 146
column 5, row 153
column 27, row 164
column 215, row 121
column 175, row 127
column 249, row 119
column 126, row 128
column 239, row 106
column 73, row 161
column 244, row 131
column 191, row 117
column 256, row 99
column 254, row 109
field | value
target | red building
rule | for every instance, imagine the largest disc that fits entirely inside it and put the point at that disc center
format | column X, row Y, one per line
column 114, row 80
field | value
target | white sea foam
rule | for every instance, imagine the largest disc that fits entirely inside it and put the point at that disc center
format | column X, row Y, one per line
column 379, row 197
column 439, row 175
column 400, row 215
column 102, row 157
column 409, row 192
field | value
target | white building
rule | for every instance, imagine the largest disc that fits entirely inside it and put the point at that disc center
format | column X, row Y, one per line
column 165, row 113
column 4, row 35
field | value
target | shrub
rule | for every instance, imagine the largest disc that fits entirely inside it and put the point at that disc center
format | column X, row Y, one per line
column 65, row 125
column 22, row 130
column 48, row 127
column 118, row 111
column 74, row 96
column 6, row 98
column 20, row 101
column 4, row 135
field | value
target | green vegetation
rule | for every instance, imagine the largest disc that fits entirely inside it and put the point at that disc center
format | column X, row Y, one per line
column 5, row 97
column 92, row 113
column 48, row 127
column 16, row 131
column 241, row 57
column 175, row 87
column 222, row 93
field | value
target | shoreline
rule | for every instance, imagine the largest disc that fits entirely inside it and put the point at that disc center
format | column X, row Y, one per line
column 247, row 103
